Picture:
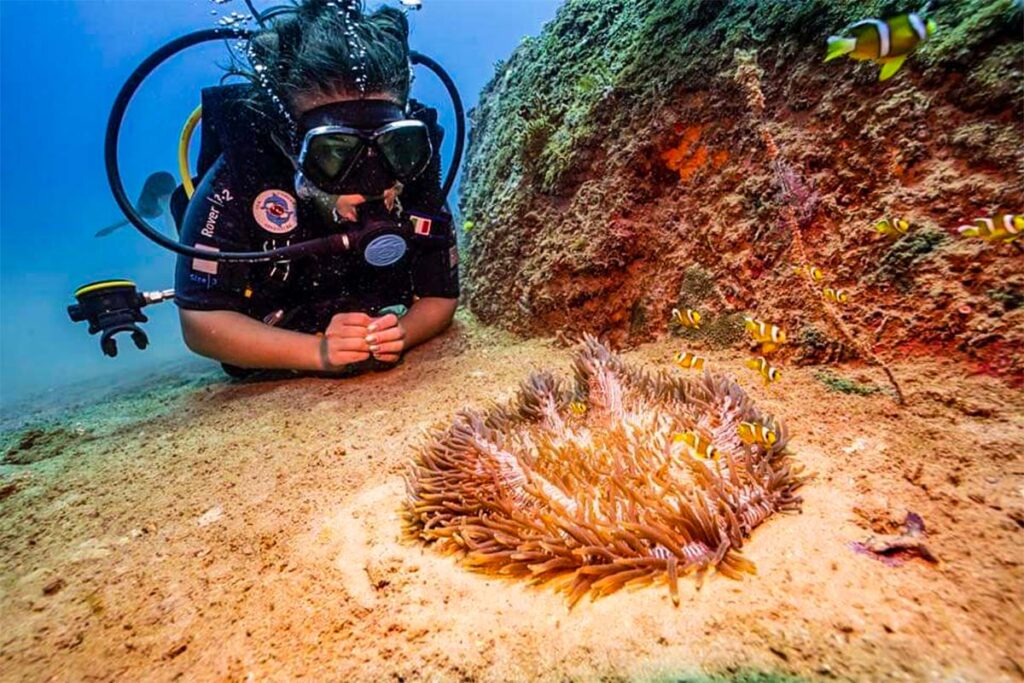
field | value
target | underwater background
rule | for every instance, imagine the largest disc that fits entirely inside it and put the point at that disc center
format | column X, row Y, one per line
column 63, row 63
column 732, row 395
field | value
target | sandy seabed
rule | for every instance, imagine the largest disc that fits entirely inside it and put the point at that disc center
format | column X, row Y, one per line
column 253, row 532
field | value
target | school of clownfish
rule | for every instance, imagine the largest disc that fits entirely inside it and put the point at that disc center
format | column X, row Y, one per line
column 886, row 42
column 766, row 338
column 749, row 433
column 889, row 43
column 700, row 446
column 1004, row 228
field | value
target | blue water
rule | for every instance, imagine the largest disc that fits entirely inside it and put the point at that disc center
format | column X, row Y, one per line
column 61, row 64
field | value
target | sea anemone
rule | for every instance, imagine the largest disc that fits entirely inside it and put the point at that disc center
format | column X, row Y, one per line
column 583, row 485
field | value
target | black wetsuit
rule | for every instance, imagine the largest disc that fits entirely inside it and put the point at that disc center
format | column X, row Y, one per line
column 246, row 201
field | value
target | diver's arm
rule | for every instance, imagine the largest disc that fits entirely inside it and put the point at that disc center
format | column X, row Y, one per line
column 427, row 318
column 237, row 339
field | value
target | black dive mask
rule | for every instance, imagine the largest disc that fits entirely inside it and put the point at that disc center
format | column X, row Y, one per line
column 361, row 147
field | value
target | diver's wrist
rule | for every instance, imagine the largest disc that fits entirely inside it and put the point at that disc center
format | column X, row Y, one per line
column 323, row 355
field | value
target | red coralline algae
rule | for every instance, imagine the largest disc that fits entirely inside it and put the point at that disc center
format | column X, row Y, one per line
column 687, row 157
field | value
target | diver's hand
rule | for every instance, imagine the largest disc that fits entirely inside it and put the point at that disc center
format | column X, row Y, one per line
column 386, row 338
column 344, row 342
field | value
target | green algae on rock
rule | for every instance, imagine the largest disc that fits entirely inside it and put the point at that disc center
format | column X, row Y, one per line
column 41, row 442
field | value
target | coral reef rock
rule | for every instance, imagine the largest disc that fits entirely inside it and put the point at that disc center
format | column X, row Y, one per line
column 638, row 146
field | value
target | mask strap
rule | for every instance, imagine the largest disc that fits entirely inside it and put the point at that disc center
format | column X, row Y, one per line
column 284, row 150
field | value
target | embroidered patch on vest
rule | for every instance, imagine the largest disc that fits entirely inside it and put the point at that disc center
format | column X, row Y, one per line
column 274, row 211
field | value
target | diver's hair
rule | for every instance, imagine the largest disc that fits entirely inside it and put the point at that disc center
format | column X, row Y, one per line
column 308, row 52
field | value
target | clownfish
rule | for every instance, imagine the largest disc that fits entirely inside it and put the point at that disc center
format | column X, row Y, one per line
column 688, row 361
column 762, row 332
column 813, row 272
column 769, row 373
column 838, row 296
column 690, row 318
column 700, row 447
column 755, row 432
column 887, row 42
column 894, row 227
column 1004, row 228
column 578, row 408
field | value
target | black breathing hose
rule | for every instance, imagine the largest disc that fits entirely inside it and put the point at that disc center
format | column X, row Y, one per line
column 258, row 16
column 334, row 243
column 460, row 117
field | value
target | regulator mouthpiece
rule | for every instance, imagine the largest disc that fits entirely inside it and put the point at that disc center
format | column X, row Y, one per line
column 114, row 306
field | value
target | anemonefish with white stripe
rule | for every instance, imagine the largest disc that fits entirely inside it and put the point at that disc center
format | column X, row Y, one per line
column 769, row 373
column 755, row 432
column 1004, row 228
column 700, row 447
column 887, row 42
column 894, row 227
column 578, row 407
column 690, row 318
column 769, row 336
column 836, row 296
column 810, row 271
column 688, row 361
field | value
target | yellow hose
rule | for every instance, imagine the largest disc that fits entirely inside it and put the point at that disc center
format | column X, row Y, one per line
column 97, row 286
column 183, row 143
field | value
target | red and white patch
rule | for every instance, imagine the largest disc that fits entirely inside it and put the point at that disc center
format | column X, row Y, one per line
column 274, row 211
column 203, row 266
column 421, row 225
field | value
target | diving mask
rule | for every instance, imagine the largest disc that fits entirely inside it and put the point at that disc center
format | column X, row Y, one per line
column 331, row 153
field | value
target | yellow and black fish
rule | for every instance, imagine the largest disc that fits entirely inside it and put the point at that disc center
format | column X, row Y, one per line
column 813, row 272
column 690, row 318
column 688, row 361
column 700, row 446
column 1004, row 228
column 838, row 296
column 769, row 373
column 887, row 42
column 578, row 408
column 755, row 432
column 894, row 227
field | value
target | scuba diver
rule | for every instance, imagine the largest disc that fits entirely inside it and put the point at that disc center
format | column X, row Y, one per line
column 315, row 235
column 358, row 150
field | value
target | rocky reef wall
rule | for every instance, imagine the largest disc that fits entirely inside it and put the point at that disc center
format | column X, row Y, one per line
column 619, row 166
